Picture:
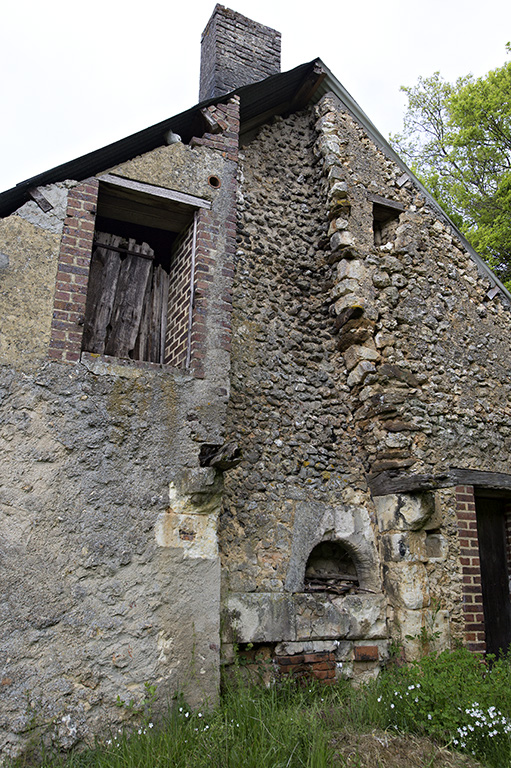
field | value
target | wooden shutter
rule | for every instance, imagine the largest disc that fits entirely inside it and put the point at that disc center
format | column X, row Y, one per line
column 126, row 301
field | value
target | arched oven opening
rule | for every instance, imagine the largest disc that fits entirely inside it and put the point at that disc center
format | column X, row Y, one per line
column 330, row 568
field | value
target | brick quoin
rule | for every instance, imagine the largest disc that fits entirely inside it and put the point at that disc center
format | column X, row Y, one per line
column 73, row 273
column 470, row 569
column 209, row 264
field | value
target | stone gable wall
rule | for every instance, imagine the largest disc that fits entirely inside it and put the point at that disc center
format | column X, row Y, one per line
column 301, row 480
column 351, row 358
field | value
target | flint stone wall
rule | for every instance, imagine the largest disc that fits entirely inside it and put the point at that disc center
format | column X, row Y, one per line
column 350, row 358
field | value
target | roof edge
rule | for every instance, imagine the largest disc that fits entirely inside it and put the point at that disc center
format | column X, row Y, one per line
column 345, row 97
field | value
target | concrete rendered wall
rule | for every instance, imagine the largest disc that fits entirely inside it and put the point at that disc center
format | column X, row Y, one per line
column 109, row 560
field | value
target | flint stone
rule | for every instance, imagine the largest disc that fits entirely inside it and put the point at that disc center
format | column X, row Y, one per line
column 329, row 145
column 391, row 264
column 341, row 223
column 340, row 240
column 345, row 287
column 339, row 190
column 407, row 584
column 356, row 305
column 354, row 270
column 381, row 279
column 335, row 174
column 359, row 373
column 436, row 547
column 404, row 512
column 355, row 354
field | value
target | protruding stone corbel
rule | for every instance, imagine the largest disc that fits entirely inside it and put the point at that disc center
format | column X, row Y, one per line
column 221, row 457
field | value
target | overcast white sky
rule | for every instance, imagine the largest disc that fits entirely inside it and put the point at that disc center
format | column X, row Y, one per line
column 80, row 75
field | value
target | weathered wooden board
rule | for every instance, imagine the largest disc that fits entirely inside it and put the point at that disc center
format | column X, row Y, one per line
column 391, row 481
column 150, row 189
column 128, row 304
column 151, row 338
column 140, row 350
column 103, row 277
column 385, row 202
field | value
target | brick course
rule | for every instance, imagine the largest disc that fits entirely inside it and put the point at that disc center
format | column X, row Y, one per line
column 73, row 273
column 470, row 568
column 320, row 665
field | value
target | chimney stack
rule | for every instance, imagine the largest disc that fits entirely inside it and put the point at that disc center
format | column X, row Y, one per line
column 235, row 51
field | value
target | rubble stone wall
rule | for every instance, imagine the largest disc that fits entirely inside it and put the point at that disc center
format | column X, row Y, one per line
column 353, row 354
column 301, row 481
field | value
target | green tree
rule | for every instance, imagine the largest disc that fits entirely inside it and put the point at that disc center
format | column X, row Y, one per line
column 457, row 139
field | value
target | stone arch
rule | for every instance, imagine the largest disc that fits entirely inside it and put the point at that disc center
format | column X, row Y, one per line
column 315, row 523
column 330, row 567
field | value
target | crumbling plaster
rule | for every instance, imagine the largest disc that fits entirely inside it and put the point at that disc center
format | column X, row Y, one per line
column 27, row 283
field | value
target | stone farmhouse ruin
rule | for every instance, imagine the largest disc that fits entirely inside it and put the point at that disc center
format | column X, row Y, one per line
column 255, row 397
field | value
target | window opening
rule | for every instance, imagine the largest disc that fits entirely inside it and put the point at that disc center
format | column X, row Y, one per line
column 141, row 252
column 385, row 218
column 330, row 568
column 385, row 222
column 126, row 306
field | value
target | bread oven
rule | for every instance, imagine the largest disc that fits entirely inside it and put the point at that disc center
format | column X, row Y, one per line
column 331, row 568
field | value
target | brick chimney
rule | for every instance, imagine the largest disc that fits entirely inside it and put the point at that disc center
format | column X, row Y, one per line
column 235, row 51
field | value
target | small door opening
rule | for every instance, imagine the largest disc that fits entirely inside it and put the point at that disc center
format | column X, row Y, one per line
column 493, row 556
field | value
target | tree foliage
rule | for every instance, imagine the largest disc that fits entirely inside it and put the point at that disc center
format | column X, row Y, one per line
column 457, row 139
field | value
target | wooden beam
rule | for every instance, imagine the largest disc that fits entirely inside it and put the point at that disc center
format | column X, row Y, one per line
column 115, row 248
column 150, row 189
column 308, row 88
column 38, row 197
column 391, row 481
column 379, row 200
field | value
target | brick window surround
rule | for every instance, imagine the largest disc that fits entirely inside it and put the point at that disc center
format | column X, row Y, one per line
column 76, row 252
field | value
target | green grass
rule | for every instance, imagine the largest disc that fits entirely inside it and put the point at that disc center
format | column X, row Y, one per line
column 454, row 698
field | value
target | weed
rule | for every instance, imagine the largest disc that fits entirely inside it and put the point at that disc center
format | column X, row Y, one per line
column 455, row 698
